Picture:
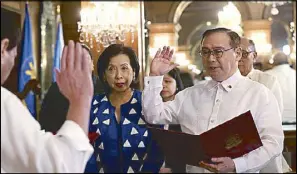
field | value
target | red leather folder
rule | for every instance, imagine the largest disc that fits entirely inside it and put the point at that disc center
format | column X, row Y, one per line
column 233, row 138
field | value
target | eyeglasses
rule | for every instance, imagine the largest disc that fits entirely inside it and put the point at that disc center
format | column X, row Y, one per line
column 218, row 53
column 245, row 54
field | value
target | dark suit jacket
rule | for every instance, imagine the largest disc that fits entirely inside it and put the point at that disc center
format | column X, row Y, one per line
column 54, row 107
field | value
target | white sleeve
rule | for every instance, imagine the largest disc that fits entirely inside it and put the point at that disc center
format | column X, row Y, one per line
column 27, row 148
column 154, row 109
column 268, row 122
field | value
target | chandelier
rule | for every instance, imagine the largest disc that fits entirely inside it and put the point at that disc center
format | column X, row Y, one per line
column 273, row 4
column 104, row 23
column 230, row 17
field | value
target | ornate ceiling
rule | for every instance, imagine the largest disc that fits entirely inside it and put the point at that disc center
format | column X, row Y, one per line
column 196, row 13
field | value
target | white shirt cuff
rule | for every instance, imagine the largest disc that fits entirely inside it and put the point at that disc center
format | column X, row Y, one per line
column 153, row 81
column 73, row 132
column 240, row 165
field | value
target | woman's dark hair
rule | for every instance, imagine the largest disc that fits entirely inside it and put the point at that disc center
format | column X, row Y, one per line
column 187, row 79
column 10, row 29
column 175, row 74
column 112, row 51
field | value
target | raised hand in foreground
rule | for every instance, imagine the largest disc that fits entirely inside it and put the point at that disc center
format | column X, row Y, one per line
column 161, row 64
column 75, row 83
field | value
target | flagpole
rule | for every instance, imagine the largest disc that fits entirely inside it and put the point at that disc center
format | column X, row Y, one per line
column 59, row 43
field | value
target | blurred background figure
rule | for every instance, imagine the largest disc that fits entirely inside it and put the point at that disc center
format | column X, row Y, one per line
column 246, row 68
column 287, row 79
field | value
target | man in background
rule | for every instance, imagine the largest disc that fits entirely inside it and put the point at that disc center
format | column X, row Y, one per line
column 287, row 79
column 246, row 68
column 245, row 65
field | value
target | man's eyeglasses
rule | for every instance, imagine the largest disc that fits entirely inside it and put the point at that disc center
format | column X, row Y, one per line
column 217, row 53
column 245, row 54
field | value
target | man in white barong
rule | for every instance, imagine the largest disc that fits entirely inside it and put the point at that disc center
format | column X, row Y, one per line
column 211, row 103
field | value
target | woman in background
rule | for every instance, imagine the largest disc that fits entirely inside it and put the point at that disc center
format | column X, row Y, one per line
column 172, row 84
column 118, row 133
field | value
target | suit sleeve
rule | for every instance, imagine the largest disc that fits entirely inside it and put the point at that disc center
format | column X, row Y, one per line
column 53, row 110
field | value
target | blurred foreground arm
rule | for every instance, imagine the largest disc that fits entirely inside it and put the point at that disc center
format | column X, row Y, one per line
column 75, row 83
column 26, row 148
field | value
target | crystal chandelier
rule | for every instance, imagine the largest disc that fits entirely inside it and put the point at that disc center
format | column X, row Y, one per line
column 106, row 23
column 230, row 17
column 273, row 4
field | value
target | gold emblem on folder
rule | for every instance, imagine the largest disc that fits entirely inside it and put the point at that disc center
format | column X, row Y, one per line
column 232, row 141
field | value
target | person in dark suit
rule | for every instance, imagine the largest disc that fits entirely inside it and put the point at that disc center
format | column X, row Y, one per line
column 55, row 106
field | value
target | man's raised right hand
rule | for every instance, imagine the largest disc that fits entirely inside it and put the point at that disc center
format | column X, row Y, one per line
column 161, row 64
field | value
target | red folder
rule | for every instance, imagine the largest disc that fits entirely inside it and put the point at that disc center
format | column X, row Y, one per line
column 233, row 138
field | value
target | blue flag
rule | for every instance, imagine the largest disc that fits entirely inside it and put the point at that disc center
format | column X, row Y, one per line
column 58, row 48
column 26, row 68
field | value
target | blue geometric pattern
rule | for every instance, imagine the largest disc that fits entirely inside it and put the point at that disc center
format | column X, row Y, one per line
column 122, row 147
